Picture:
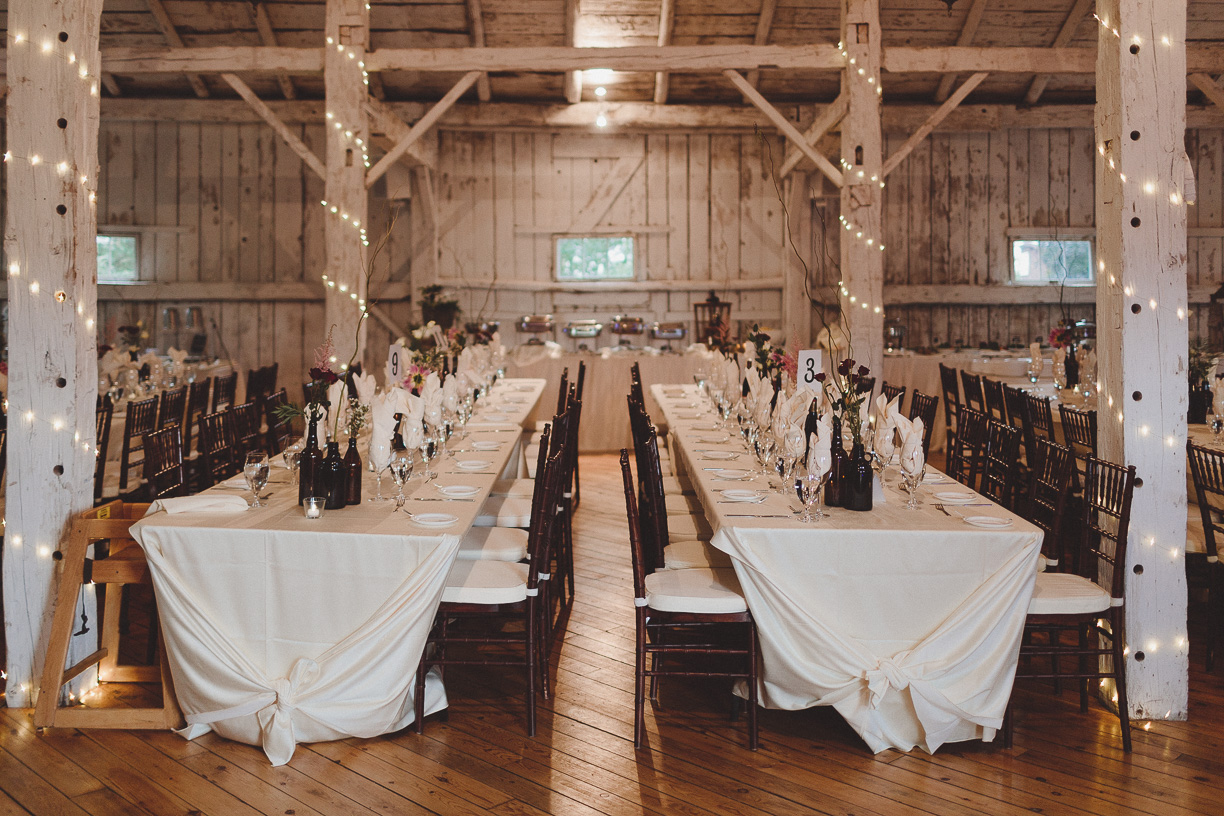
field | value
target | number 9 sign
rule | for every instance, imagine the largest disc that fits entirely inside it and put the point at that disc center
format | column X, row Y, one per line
column 810, row 364
column 395, row 368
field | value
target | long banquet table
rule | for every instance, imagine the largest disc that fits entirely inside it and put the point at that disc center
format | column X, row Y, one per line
column 907, row 622
column 281, row 629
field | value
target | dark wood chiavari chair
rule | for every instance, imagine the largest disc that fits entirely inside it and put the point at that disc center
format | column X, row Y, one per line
column 487, row 592
column 894, row 392
column 104, row 414
column 217, row 459
column 1050, row 466
column 1017, row 416
column 197, row 407
column 223, row 391
column 996, row 404
column 575, row 489
column 966, row 457
column 1000, row 474
column 163, row 464
column 924, row 407
column 1075, row 604
column 670, row 602
column 280, row 430
column 971, row 385
column 1041, row 415
column 172, row 407
column 1203, row 569
column 141, row 419
column 951, row 399
column 246, row 420
column 1079, row 430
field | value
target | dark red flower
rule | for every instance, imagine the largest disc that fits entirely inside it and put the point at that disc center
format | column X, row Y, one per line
column 323, row 376
column 843, row 368
column 820, row 377
column 863, row 371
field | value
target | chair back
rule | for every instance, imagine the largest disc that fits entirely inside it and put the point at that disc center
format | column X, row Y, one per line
column 1079, row 429
column 635, row 383
column 223, row 391
column 894, row 392
column 141, row 419
column 1000, row 475
column 951, row 396
column 1051, row 466
column 563, row 390
column 1041, row 415
column 996, row 404
column 280, row 431
column 973, row 397
column 966, row 457
column 217, row 448
column 1018, row 417
column 173, row 405
column 1108, row 489
column 581, row 377
column 636, row 545
column 710, row 318
column 1207, row 471
column 924, row 407
column 103, row 415
column 163, row 464
column 246, row 429
column 197, row 407
column 652, row 501
column 546, row 507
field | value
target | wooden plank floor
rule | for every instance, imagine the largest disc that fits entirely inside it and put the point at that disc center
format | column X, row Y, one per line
column 582, row 761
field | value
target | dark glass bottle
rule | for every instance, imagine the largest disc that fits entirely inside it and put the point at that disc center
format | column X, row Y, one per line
column 833, row 490
column 330, row 478
column 308, row 462
column 857, row 480
column 397, row 436
column 777, row 389
column 811, row 425
column 1071, row 366
column 352, row 473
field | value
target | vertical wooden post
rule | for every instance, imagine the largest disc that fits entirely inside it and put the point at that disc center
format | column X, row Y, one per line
column 1142, row 327
column 862, row 261
column 348, row 141
column 52, row 161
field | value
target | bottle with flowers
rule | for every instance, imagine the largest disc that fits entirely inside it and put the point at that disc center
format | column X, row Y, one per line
column 846, row 391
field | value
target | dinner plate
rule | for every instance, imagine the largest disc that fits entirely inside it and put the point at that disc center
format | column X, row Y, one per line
column 955, row 497
column 238, row 481
column 689, row 415
column 935, row 479
column 525, row 388
column 434, row 519
column 705, row 426
column 514, row 401
column 458, row 491
column 474, row 464
column 732, row 473
column 713, row 440
column 723, row 455
column 741, row 495
column 988, row 521
column 486, row 445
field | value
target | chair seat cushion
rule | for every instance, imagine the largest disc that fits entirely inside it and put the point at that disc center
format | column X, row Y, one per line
column 485, row 582
column 493, row 544
column 693, row 554
column 706, row 591
column 505, row 511
column 1060, row 593
column 688, row 526
column 523, row 488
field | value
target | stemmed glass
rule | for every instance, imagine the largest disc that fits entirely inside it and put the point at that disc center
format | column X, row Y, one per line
column 401, row 472
column 379, row 458
column 810, row 487
column 912, row 480
column 766, row 444
column 429, row 451
column 1036, row 364
column 256, row 472
column 1217, row 424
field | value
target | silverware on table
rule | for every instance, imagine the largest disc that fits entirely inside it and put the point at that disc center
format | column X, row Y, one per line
column 757, row 515
column 424, row 498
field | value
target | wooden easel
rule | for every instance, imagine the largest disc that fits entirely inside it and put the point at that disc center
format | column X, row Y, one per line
column 124, row 565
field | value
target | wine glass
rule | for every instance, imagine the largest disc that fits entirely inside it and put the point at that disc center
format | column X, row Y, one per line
column 810, row 488
column 1217, row 424
column 429, row 450
column 379, row 457
column 912, row 478
column 1036, row 364
column 292, row 459
column 256, row 472
column 401, row 472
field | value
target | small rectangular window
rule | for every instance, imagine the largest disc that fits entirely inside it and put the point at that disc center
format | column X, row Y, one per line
column 595, row 258
column 118, row 258
column 1041, row 261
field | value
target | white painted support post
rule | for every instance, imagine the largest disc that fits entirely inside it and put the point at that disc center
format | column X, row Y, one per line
column 52, row 126
column 348, row 141
column 1142, row 327
column 862, row 262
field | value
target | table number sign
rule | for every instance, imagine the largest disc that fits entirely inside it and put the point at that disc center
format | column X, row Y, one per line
column 397, row 363
column 811, row 363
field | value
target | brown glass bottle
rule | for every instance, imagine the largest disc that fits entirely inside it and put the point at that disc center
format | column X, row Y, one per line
column 833, row 490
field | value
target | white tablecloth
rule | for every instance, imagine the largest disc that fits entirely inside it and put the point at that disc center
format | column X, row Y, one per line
column 281, row 629
column 907, row 622
column 605, row 416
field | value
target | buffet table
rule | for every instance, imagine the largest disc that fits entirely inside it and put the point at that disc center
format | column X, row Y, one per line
column 907, row 622
column 281, row 629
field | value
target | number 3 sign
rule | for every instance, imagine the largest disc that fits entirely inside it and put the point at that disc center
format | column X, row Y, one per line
column 810, row 364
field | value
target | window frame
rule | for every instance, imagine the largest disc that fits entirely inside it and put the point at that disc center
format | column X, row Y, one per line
column 558, row 237
column 119, row 232
column 1087, row 234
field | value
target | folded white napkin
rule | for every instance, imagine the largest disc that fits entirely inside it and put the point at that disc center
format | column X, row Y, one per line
column 409, row 404
column 762, row 413
column 912, row 458
column 1217, row 397
column 1035, row 350
column 382, row 415
column 731, row 379
column 885, row 409
column 885, row 437
column 177, row 356
column 366, row 387
column 792, row 443
column 413, row 431
column 1088, row 366
column 820, row 447
column 1060, row 356
column 201, row 503
column 450, row 393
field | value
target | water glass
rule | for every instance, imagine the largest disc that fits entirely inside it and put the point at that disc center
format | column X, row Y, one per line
column 401, row 472
column 255, row 470
column 912, row 480
column 429, row 450
column 1217, row 424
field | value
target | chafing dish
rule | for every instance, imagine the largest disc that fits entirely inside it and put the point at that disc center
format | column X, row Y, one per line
column 536, row 325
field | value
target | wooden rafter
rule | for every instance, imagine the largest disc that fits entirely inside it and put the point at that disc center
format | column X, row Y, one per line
column 295, row 144
column 111, row 85
column 573, row 78
column 828, row 118
column 761, row 37
column 383, row 118
column 968, row 31
column 929, row 125
column 475, row 13
column 421, row 127
column 172, row 36
column 1210, row 88
column 780, row 122
column 267, row 35
column 667, row 21
column 1074, row 18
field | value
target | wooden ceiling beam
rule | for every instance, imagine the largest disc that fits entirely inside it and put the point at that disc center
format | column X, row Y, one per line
column 649, row 58
column 929, row 125
column 968, row 31
column 781, row 123
column 384, row 119
column 1210, row 88
column 267, row 35
column 1065, row 33
column 573, row 78
column 421, row 127
column 475, row 14
column 287, row 136
column 826, row 121
column 667, row 22
column 172, row 36
column 761, row 37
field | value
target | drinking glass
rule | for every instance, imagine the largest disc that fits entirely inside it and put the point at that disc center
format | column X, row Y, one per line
column 766, row 444
column 1035, row 366
column 810, row 487
column 912, row 480
column 1217, row 424
column 379, row 458
column 429, row 450
column 401, row 472
column 292, row 460
column 256, row 472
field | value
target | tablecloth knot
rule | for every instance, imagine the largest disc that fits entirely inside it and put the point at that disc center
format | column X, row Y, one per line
column 276, row 719
column 884, row 676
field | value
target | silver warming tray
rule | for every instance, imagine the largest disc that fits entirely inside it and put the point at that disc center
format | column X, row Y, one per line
column 668, row 331
column 625, row 325
column 583, row 328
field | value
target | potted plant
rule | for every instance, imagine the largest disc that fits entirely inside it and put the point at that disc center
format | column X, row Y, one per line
column 437, row 307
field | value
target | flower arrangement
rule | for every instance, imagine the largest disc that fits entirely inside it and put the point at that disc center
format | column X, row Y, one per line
column 770, row 359
column 1201, row 361
column 437, row 307
column 356, row 417
column 846, row 393
column 1062, row 336
column 131, row 336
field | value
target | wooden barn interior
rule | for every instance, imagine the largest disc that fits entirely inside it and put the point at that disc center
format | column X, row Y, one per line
column 290, row 168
